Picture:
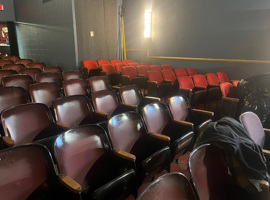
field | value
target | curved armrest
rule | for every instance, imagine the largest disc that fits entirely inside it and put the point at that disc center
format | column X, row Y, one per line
column 71, row 184
column 126, row 155
column 264, row 184
column 8, row 141
column 152, row 82
column 267, row 152
column 266, row 131
column 116, row 87
column 125, row 76
column 129, row 105
column 204, row 112
column 141, row 75
column 62, row 125
column 160, row 136
column 184, row 123
column 154, row 98
column 185, row 89
column 230, row 99
column 102, row 113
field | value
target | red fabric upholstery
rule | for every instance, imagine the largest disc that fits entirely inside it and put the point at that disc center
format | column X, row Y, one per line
column 101, row 62
column 169, row 75
column 143, row 69
column 186, row 82
column 155, row 76
column 119, row 66
column 146, row 63
column 227, row 89
column 212, row 79
column 129, row 71
column 223, row 77
column 127, row 61
column 191, row 71
column 200, row 80
column 90, row 64
column 133, row 64
column 166, row 67
column 108, row 68
column 180, row 72
column 235, row 83
column 155, row 67
column 113, row 62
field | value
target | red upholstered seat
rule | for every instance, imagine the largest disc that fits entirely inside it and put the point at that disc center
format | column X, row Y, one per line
column 91, row 68
column 113, row 75
column 133, row 64
column 191, row 71
column 143, row 69
column 227, row 89
column 119, row 66
column 180, row 72
column 165, row 67
column 155, row 68
column 146, row 64
column 212, row 79
column 186, row 82
column 101, row 62
column 113, row 62
column 127, row 61
column 169, row 75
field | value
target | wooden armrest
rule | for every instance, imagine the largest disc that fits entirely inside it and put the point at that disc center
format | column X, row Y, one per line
column 116, row 87
column 126, row 155
column 200, row 87
column 8, row 141
column 204, row 112
column 63, row 125
column 214, row 85
column 129, row 105
column 266, row 130
column 264, row 184
column 141, row 75
column 185, row 89
column 189, row 124
column 160, row 136
column 152, row 82
column 102, row 113
column 267, row 152
column 231, row 99
column 168, row 81
column 148, row 97
column 71, row 184
column 126, row 76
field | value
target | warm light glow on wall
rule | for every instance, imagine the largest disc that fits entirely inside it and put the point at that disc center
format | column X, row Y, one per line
column 147, row 23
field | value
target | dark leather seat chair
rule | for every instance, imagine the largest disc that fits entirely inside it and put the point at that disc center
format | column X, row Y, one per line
column 25, row 62
column 76, row 87
column 45, row 93
column 98, row 83
column 55, row 69
column 49, row 77
column 17, row 80
column 31, row 72
column 6, row 72
column 129, row 138
column 15, row 67
column 85, row 154
column 40, row 66
column 172, row 186
column 72, row 74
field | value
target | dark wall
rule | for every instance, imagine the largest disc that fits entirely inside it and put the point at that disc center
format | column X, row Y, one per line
column 45, row 31
column 202, row 29
column 99, row 16
column 8, row 13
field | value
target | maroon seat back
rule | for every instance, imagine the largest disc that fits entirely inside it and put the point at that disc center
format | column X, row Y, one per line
column 75, row 87
column 253, row 125
column 127, row 61
column 124, row 130
column 15, row 67
column 108, row 68
column 45, row 92
column 6, row 72
column 155, row 67
column 72, row 74
column 12, row 58
column 133, row 64
column 25, row 62
column 105, row 101
column 12, row 96
column 166, row 67
column 26, row 172
column 4, row 62
column 53, row 69
column 23, row 123
column 98, row 83
column 156, row 117
column 131, row 95
column 30, row 71
column 72, row 110
column 87, row 145
column 172, row 186
column 208, row 171
column 212, row 79
column 17, row 80
column 180, row 72
column 101, row 62
column 179, row 107
column 49, row 77
column 191, row 71
column 143, row 69
column 40, row 66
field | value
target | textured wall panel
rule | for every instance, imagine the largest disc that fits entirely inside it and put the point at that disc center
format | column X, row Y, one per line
column 45, row 31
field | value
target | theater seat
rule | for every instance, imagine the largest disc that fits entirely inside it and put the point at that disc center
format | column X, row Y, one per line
column 72, row 74
column 166, row 67
column 98, row 83
column 36, row 65
column 6, row 72
column 180, row 72
column 17, row 80
column 85, row 154
column 25, row 62
column 113, row 62
column 76, row 87
column 223, row 77
column 57, row 70
column 91, row 67
column 31, row 72
column 49, row 77
column 4, row 62
column 15, row 67
column 191, row 71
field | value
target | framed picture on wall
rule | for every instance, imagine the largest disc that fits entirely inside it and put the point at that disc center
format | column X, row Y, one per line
column 4, row 38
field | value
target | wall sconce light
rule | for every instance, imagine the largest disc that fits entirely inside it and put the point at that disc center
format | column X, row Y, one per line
column 147, row 23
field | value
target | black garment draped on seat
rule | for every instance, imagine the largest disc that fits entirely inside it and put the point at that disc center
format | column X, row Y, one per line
column 233, row 138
